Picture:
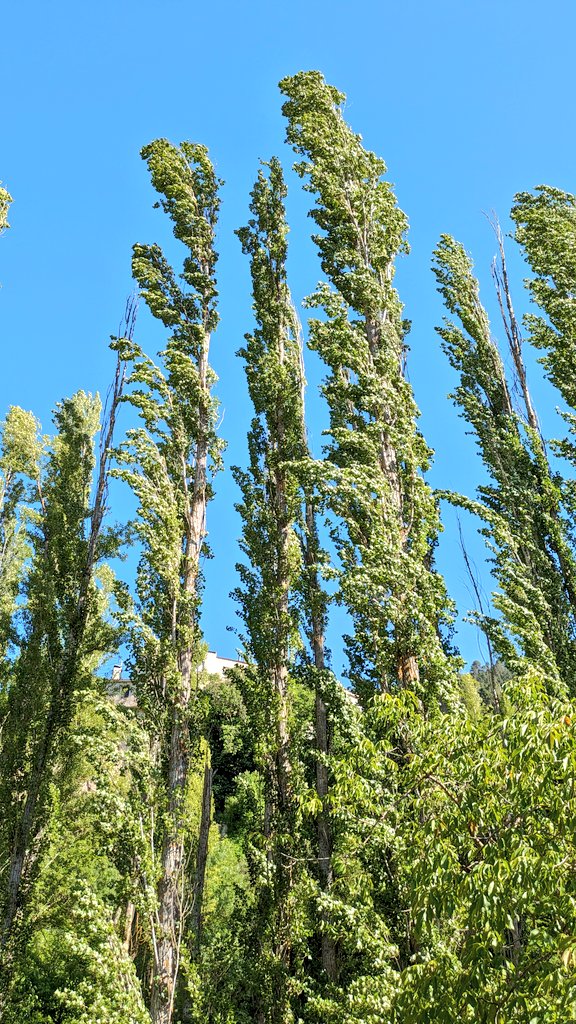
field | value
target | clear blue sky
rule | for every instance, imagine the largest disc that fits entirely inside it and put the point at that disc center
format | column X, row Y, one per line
column 468, row 102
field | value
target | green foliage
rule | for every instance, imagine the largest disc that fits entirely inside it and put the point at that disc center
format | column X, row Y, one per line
column 77, row 973
column 20, row 455
column 483, row 841
column 271, row 506
column 471, row 698
column 65, row 627
column 72, row 965
column 169, row 461
column 220, row 978
column 266, row 846
column 280, row 598
column 164, row 460
column 5, row 200
column 522, row 507
column 546, row 229
column 489, row 680
column 385, row 516
column 184, row 177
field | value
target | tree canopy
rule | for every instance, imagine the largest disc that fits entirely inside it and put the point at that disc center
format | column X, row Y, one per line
column 186, row 841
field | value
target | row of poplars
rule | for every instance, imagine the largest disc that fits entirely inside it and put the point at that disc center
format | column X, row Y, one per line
column 259, row 848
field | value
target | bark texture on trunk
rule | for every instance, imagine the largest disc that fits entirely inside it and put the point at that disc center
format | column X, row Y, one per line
column 322, row 736
column 280, row 676
column 170, row 922
column 129, row 918
column 202, row 853
column 324, row 831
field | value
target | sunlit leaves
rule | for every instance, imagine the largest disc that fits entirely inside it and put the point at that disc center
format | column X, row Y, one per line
column 5, row 200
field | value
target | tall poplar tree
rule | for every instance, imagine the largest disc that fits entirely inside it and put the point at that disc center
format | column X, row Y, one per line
column 64, row 630
column 168, row 461
column 384, row 524
column 272, row 500
column 522, row 505
column 282, row 592
column 271, row 508
column 387, row 515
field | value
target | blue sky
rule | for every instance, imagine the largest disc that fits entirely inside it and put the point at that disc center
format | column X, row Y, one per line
column 467, row 102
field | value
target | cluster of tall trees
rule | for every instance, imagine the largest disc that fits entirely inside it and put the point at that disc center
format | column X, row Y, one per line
column 269, row 846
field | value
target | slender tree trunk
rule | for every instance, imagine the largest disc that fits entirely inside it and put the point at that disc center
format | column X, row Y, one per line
column 171, row 910
column 500, row 275
column 283, row 738
column 202, row 854
column 512, row 330
column 268, row 803
column 324, row 831
column 322, row 736
column 171, row 888
column 280, row 669
column 129, row 916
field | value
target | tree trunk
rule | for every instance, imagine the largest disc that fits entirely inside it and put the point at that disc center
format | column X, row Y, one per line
column 170, row 921
column 283, row 738
column 280, row 668
column 202, row 854
column 171, row 910
column 324, row 831
column 322, row 737
column 512, row 330
column 129, row 916
column 408, row 673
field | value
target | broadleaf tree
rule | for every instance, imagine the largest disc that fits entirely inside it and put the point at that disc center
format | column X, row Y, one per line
column 168, row 460
column 64, row 630
column 387, row 516
column 522, row 505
